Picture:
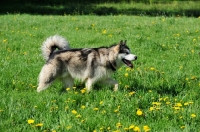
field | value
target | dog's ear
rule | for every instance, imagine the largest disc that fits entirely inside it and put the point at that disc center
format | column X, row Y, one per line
column 122, row 43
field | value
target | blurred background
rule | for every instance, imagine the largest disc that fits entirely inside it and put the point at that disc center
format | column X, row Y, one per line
column 102, row 7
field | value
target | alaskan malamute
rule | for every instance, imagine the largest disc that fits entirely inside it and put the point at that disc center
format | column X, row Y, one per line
column 87, row 64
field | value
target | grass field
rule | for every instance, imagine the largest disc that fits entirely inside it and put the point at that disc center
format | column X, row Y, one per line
column 160, row 94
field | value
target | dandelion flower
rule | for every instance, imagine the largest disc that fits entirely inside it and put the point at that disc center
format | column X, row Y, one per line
column 39, row 125
column 78, row 116
column 178, row 104
column 136, row 129
column 152, row 69
column 118, row 124
column 96, row 109
column 101, row 103
column 131, row 127
column 104, row 31
column 83, row 90
column 131, row 93
column 67, row 89
column 83, row 106
column 74, row 112
column 182, row 127
column 193, row 115
column 69, row 127
column 139, row 112
column 126, row 74
column 156, row 103
column 30, row 121
column 146, row 128
column 151, row 108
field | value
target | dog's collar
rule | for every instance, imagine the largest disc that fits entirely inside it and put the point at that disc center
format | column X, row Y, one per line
column 112, row 66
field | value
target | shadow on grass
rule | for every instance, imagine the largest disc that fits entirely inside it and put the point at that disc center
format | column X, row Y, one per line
column 88, row 9
column 171, row 89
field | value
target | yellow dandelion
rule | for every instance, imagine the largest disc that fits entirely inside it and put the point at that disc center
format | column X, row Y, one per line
column 156, row 103
column 30, row 121
column 101, row 103
column 39, row 125
column 74, row 112
column 96, row 109
column 116, row 110
column 131, row 127
column 67, row 89
column 151, row 108
column 83, row 90
column 116, row 131
column 118, row 124
column 177, row 108
column 78, row 116
column 68, row 127
column 5, row 40
column 193, row 77
column 104, row 31
column 192, row 51
column 139, row 112
column 83, row 106
column 182, row 127
column 167, row 102
column 54, row 131
column 126, row 74
column 136, row 129
column 152, row 68
column 94, row 130
column 193, row 115
column 178, row 104
column 146, row 128
column 131, row 93
column 150, row 91
column 190, row 102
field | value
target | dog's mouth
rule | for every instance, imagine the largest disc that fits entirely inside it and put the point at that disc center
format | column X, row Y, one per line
column 128, row 58
column 128, row 63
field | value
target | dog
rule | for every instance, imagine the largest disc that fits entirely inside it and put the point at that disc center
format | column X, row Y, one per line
column 89, row 65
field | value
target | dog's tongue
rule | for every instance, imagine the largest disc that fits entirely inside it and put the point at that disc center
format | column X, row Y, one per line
column 128, row 63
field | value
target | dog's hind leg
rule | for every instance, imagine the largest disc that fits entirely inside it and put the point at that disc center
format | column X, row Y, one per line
column 111, row 81
column 47, row 76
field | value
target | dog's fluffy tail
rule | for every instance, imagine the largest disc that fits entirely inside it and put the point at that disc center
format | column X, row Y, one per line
column 52, row 43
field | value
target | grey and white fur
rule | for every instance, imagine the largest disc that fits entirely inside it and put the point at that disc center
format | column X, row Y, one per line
column 89, row 65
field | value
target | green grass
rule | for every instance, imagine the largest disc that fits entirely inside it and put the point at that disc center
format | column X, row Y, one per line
column 164, row 84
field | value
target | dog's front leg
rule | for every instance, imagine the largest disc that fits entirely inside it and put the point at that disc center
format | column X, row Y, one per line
column 89, row 84
column 111, row 81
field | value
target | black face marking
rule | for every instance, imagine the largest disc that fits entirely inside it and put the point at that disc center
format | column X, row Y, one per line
column 124, row 48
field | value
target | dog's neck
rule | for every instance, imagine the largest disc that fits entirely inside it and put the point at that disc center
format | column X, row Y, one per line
column 112, row 65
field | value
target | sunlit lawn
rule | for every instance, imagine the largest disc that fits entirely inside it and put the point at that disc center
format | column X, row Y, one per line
column 161, row 93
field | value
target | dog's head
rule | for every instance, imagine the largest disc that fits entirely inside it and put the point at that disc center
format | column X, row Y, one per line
column 125, row 55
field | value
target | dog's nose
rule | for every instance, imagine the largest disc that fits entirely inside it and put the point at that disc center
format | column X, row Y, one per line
column 135, row 57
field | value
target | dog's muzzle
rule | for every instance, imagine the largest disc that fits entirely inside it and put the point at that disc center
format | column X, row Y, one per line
column 128, row 58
